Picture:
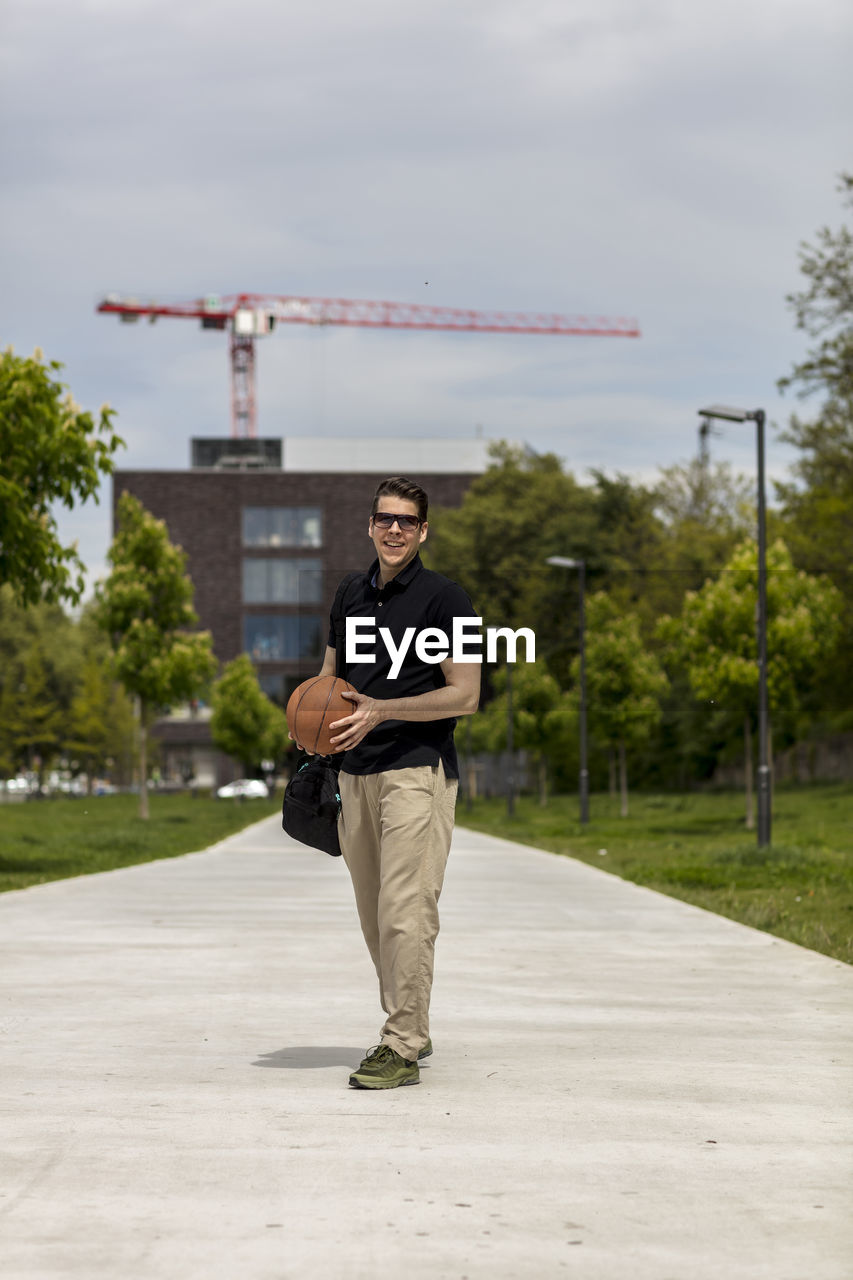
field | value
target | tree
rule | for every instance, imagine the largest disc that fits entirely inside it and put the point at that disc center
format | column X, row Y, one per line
column 715, row 639
column 818, row 505
column 626, row 542
column 47, row 627
column 9, row 754
column 42, row 637
column 521, row 510
column 50, row 451
column 93, row 716
column 535, row 695
column 824, row 310
column 100, row 723
column 625, row 682
column 524, row 508
column 245, row 724
column 102, row 729
column 35, row 719
column 145, row 607
column 706, row 510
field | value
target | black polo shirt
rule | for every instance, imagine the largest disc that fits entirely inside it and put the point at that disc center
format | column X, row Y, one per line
column 417, row 598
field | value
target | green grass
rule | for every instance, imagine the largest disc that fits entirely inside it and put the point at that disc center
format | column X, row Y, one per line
column 57, row 837
column 696, row 847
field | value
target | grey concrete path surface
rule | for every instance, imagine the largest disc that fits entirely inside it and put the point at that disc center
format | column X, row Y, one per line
column 623, row 1086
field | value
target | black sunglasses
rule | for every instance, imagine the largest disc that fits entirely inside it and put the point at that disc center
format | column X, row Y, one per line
column 384, row 520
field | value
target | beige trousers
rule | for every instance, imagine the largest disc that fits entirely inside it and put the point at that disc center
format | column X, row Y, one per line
column 395, row 830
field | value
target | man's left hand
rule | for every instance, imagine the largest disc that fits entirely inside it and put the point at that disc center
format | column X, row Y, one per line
column 349, row 732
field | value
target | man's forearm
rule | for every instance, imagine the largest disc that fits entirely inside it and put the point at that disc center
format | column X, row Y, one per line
column 458, row 697
column 437, row 704
column 329, row 663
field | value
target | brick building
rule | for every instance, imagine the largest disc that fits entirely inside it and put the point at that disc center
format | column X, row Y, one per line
column 269, row 528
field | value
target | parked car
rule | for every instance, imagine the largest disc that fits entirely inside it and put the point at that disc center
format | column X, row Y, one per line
column 21, row 785
column 15, row 789
column 244, row 789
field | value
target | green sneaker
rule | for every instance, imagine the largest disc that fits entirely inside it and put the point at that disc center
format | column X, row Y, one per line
column 384, row 1069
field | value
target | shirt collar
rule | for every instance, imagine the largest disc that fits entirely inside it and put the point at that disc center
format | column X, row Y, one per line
column 401, row 580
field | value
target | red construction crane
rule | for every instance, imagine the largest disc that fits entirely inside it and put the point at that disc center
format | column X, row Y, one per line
column 254, row 315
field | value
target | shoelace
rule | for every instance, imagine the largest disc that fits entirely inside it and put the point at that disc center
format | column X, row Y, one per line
column 379, row 1052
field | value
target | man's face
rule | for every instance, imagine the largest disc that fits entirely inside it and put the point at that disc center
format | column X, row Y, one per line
column 395, row 545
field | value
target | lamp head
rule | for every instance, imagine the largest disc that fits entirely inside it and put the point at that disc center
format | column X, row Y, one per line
column 728, row 414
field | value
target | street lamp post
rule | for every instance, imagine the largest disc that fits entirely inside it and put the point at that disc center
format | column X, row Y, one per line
column 510, row 746
column 563, row 562
column 757, row 416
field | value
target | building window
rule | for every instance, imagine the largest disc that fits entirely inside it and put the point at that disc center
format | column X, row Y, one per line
column 273, row 687
column 282, row 581
column 278, row 688
column 282, row 527
column 269, row 637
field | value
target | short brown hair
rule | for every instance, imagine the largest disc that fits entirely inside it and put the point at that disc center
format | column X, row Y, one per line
column 400, row 487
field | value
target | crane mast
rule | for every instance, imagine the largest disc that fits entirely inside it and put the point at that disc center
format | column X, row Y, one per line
column 249, row 316
column 243, row 413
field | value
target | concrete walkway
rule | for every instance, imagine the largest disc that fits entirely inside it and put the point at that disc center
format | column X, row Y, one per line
column 624, row 1087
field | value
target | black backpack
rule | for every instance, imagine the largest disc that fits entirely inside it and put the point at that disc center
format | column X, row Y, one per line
column 312, row 804
column 312, row 799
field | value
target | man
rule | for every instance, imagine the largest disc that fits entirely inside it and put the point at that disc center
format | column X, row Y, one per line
column 399, row 776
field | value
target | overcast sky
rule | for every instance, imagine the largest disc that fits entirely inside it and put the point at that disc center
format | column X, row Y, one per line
column 650, row 158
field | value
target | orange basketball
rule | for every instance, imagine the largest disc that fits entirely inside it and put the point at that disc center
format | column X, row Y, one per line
column 313, row 706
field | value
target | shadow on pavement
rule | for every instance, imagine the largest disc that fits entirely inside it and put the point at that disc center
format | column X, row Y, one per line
column 307, row 1057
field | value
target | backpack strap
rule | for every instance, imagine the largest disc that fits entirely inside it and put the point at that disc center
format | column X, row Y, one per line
column 339, row 618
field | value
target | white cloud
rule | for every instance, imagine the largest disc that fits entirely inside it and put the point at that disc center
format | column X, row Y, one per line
column 640, row 157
